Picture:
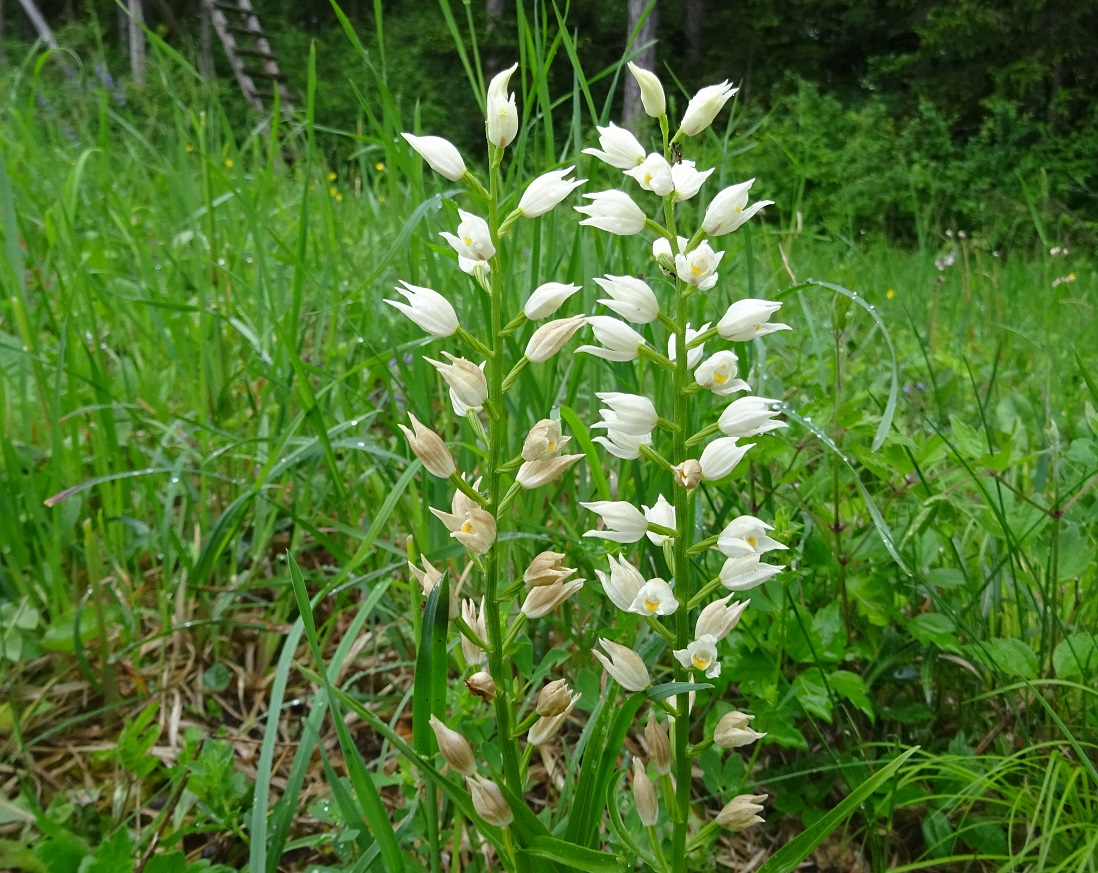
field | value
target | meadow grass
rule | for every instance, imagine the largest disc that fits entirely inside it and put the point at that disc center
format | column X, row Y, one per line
column 199, row 379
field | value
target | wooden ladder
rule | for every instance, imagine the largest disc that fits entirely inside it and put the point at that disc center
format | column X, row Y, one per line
column 249, row 52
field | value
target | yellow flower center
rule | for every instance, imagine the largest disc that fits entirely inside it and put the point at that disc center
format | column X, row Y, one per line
column 720, row 378
column 651, row 605
column 698, row 267
column 647, row 178
column 468, row 240
column 551, row 446
column 467, row 527
column 751, row 541
column 699, row 662
column 739, row 209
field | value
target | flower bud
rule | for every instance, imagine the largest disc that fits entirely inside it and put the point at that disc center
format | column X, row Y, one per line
column 633, row 413
column 554, row 698
column 440, row 154
column 427, row 308
column 619, row 148
column 621, row 342
column 644, row 795
column 741, row 812
column 693, row 355
column 546, row 191
column 726, row 211
column 623, row 582
column 546, row 569
column 733, row 731
column 687, row 179
column 747, row 319
column 704, row 106
column 652, row 97
column 534, row 474
column 624, row 665
column 718, row 618
column 482, row 685
column 749, row 416
column 550, row 338
column 720, row 457
column 688, row 474
column 489, row 801
column 659, row 745
column 663, row 514
column 613, row 211
column 428, row 577
column 743, row 574
column 547, row 727
column 454, row 748
column 430, row 449
column 544, row 441
column 547, row 299
column 466, row 380
column 502, row 121
column 631, row 298
column 545, row 598
column 474, row 655
column 625, row 523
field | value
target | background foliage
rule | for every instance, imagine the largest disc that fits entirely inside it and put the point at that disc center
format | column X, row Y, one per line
column 899, row 117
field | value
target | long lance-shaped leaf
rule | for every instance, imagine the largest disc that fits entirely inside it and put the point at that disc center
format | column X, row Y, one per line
column 376, row 815
column 789, row 856
column 429, row 695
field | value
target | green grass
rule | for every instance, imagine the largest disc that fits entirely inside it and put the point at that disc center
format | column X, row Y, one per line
column 198, row 378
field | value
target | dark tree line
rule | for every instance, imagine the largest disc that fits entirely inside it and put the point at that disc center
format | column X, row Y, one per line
column 1015, row 78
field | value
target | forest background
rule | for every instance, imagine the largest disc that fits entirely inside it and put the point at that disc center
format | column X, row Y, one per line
column 902, row 117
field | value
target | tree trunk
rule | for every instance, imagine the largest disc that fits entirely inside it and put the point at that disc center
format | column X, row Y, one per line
column 137, row 41
column 633, row 111
column 692, row 30
column 205, row 45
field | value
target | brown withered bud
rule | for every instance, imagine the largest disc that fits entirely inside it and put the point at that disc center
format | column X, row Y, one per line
column 659, row 745
column 482, row 685
column 554, row 699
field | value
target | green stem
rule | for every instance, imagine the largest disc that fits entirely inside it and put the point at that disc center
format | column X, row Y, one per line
column 681, row 565
column 496, row 558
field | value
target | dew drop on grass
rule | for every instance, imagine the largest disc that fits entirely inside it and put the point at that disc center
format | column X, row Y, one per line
column 361, row 444
column 221, row 262
column 175, row 480
column 354, row 422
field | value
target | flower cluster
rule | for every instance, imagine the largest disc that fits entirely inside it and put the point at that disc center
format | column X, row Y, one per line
column 488, row 624
column 632, row 426
column 685, row 614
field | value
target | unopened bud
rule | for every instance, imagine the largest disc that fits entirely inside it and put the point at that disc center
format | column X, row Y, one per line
column 732, row 731
column 429, row 448
column 489, row 801
column 544, row 441
column 547, row 727
column 546, row 569
column 454, row 748
column 644, row 795
column 741, row 812
column 688, row 474
column 482, row 685
column 554, row 699
column 550, row 338
column 659, row 745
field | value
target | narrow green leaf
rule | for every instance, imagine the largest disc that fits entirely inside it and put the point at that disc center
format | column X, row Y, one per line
column 576, row 857
column 789, row 856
